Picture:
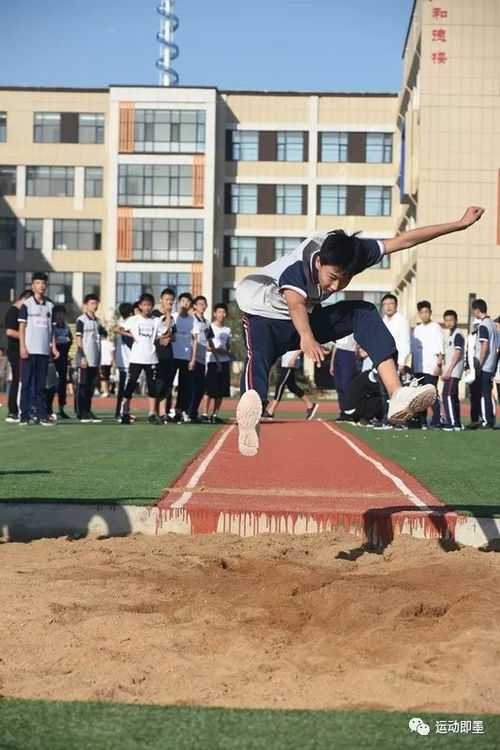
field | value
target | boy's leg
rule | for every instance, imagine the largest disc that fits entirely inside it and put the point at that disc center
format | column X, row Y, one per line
column 198, row 389
column 61, row 364
column 134, row 370
column 345, row 368
column 92, row 376
column 184, row 387
column 283, row 380
column 455, row 402
column 41, row 364
column 13, row 401
column 488, row 418
column 122, row 377
column 447, row 403
column 27, row 388
column 363, row 320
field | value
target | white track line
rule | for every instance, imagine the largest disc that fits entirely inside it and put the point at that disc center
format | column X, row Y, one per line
column 398, row 482
column 186, row 496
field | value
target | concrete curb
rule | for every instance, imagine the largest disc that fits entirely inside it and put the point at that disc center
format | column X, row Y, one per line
column 29, row 521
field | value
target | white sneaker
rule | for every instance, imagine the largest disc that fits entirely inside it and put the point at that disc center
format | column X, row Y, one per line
column 248, row 413
column 409, row 400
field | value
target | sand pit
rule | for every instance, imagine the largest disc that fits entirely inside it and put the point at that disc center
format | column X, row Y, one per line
column 282, row 622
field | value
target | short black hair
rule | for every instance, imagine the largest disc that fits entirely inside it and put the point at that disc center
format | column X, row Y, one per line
column 39, row 276
column 167, row 290
column 126, row 310
column 146, row 297
column 25, row 294
column 104, row 333
column 450, row 313
column 423, row 303
column 221, row 305
column 480, row 304
column 389, row 295
column 58, row 308
column 342, row 250
column 89, row 298
column 186, row 295
column 197, row 299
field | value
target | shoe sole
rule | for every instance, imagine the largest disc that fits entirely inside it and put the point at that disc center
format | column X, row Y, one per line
column 248, row 413
column 422, row 400
column 311, row 415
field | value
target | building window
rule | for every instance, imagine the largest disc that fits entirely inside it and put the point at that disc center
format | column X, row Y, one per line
column 244, row 145
column 288, row 199
column 377, row 201
column 59, row 287
column 164, row 240
column 77, row 234
column 379, row 147
column 92, row 284
column 333, row 200
column 3, row 126
column 90, row 127
column 169, row 131
column 284, row 245
column 47, row 127
column 334, row 147
column 242, row 251
column 8, row 234
column 7, row 179
column 228, row 295
column 50, row 181
column 155, row 185
column 130, row 285
column 384, row 263
column 8, row 287
column 290, row 145
column 33, row 237
column 243, row 199
column 93, row 182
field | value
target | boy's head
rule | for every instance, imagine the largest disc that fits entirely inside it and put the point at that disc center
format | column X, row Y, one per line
column 184, row 302
column 389, row 304
column 26, row 294
column 39, row 282
column 135, row 308
column 104, row 333
column 220, row 312
column 58, row 313
column 424, row 311
column 125, row 310
column 450, row 319
column 167, row 298
column 90, row 303
column 200, row 304
column 338, row 261
column 479, row 308
column 146, row 304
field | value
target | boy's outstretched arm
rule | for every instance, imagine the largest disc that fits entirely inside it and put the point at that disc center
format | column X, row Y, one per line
column 424, row 234
column 300, row 319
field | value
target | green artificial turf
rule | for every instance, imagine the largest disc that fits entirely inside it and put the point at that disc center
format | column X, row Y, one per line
column 459, row 468
column 95, row 463
column 44, row 725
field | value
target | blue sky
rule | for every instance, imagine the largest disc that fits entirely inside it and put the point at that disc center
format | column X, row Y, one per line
column 323, row 45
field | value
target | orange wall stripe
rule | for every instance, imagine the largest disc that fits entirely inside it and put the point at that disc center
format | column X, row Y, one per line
column 126, row 136
column 198, row 180
column 196, row 279
column 124, row 235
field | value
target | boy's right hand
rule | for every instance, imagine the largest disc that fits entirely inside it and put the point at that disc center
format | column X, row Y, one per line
column 83, row 363
column 312, row 349
column 23, row 352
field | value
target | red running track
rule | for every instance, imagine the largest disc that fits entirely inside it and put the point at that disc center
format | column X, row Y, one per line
column 307, row 477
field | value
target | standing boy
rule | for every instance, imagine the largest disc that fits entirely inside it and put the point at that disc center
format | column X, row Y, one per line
column 204, row 335
column 485, row 363
column 218, row 384
column 88, row 358
column 428, row 355
column 286, row 377
column 185, row 345
column 12, row 331
column 122, row 353
column 165, row 353
column 145, row 331
column 36, row 344
column 64, row 339
column 453, row 368
column 282, row 312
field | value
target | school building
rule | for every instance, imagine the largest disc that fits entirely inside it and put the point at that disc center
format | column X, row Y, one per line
column 130, row 189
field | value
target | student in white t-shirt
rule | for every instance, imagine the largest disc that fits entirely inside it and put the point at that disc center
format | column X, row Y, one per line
column 289, row 363
column 122, row 353
column 218, row 363
column 144, row 330
column 428, row 356
column 107, row 361
column 184, row 348
column 203, row 336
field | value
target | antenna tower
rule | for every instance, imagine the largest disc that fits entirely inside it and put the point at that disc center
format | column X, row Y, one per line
column 169, row 50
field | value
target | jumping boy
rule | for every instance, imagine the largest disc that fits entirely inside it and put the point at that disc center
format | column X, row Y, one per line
column 282, row 311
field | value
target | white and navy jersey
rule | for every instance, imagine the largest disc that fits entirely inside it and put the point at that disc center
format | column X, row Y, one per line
column 487, row 332
column 262, row 293
column 186, row 326
column 455, row 341
column 107, row 351
column 145, row 331
column 203, row 335
column 123, row 345
column 88, row 333
column 221, row 339
column 38, row 319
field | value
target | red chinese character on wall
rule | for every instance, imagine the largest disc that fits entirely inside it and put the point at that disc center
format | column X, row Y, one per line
column 439, row 57
column 439, row 13
column 439, row 35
